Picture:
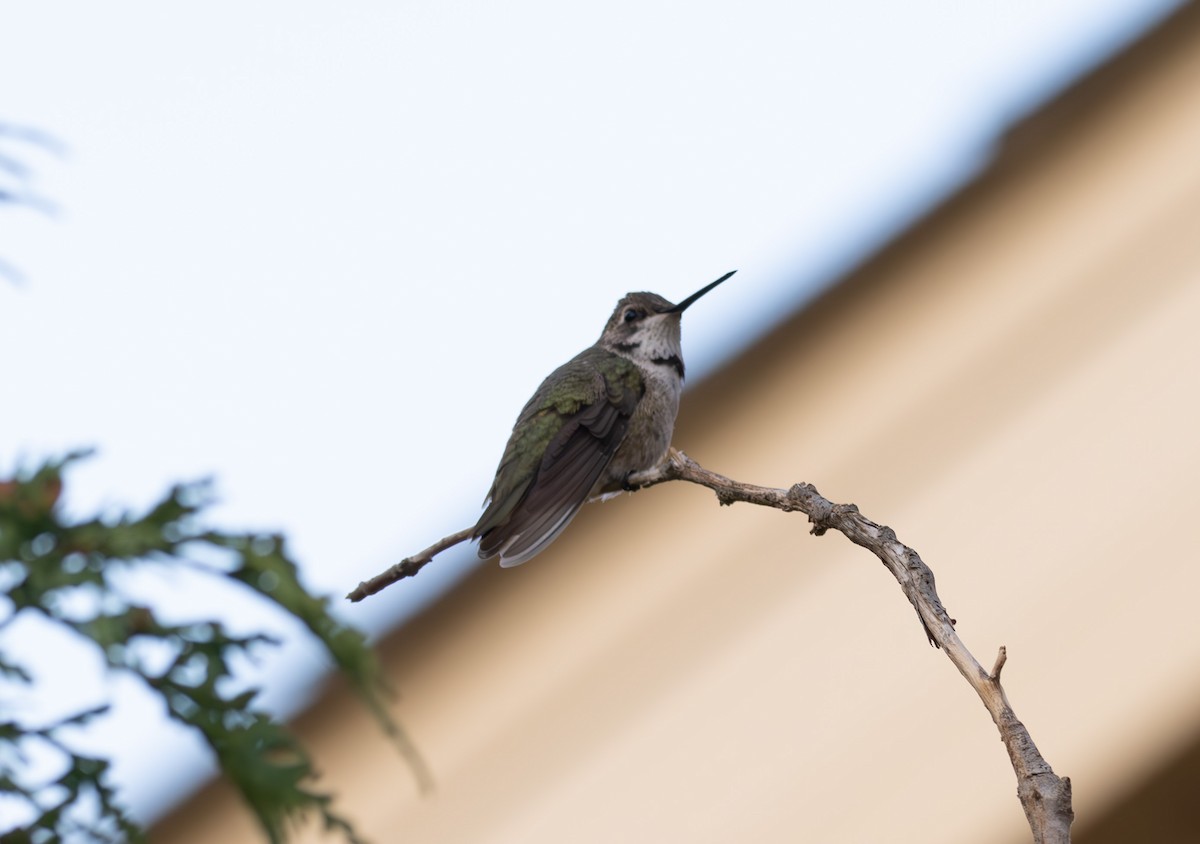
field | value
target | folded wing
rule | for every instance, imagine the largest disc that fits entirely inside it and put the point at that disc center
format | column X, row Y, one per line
column 581, row 412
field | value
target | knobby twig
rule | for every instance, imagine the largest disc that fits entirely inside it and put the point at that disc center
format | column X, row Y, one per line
column 407, row 567
column 1045, row 797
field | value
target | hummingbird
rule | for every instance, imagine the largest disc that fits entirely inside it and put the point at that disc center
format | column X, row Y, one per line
column 601, row 417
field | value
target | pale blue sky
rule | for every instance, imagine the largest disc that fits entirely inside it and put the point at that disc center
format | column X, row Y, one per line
column 325, row 252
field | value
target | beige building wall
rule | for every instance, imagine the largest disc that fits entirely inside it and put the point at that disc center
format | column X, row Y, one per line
column 1012, row 386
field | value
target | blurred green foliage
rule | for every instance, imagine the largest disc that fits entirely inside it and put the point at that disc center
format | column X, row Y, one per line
column 17, row 177
column 52, row 567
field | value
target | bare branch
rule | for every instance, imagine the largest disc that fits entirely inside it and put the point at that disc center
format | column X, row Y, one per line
column 1045, row 797
column 1001, row 658
column 408, row 566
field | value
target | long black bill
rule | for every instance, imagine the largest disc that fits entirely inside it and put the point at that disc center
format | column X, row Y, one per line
column 683, row 306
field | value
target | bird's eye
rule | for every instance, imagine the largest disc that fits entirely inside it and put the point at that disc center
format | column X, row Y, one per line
column 631, row 314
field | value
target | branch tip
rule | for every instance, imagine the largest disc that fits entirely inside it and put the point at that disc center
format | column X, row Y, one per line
column 409, row 566
column 1001, row 658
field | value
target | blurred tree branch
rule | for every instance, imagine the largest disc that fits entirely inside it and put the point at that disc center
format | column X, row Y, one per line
column 16, row 177
column 64, row 571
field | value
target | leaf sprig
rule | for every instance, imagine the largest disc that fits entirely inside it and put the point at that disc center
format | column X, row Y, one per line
column 46, row 560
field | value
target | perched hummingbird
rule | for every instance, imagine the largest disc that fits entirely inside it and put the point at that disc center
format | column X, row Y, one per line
column 603, row 415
